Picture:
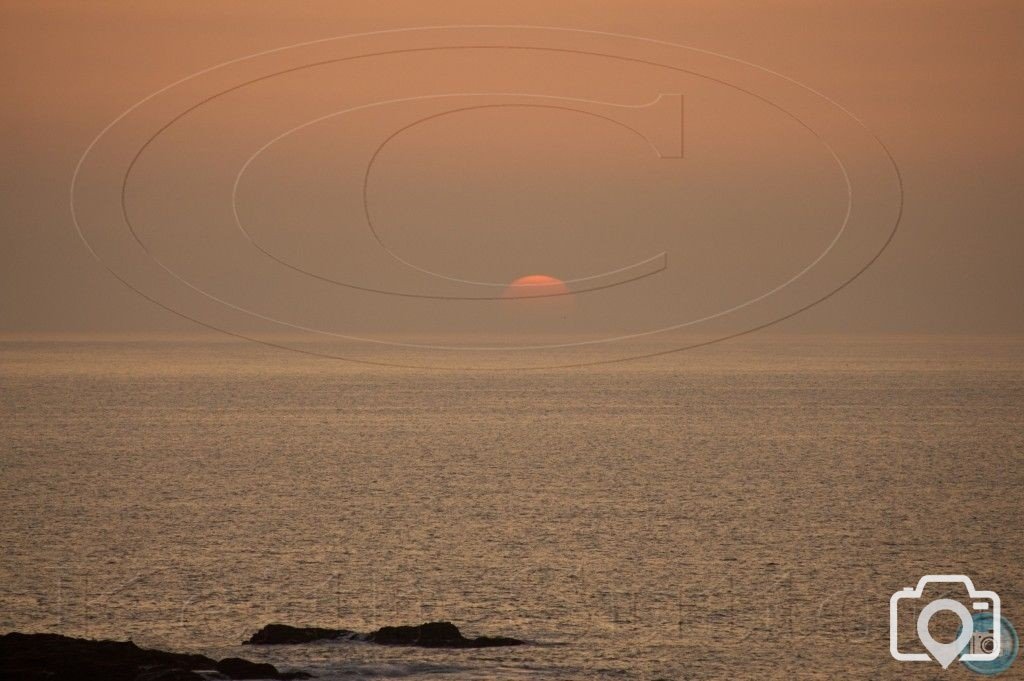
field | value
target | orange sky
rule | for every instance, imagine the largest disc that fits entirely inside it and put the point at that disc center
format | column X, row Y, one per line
column 499, row 193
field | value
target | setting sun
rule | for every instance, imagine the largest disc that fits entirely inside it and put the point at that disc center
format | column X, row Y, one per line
column 536, row 285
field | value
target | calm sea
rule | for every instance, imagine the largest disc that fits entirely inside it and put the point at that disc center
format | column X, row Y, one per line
column 739, row 511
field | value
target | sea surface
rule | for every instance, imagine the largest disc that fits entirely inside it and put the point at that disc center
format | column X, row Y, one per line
column 740, row 511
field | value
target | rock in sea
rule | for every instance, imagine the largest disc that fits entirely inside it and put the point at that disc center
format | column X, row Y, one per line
column 51, row 657
column 429, row 635
column 237, row 668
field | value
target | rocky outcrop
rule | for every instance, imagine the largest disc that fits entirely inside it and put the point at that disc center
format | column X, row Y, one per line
column 282, row 634
column 435, row 635
column 237, row 668
column 429, row 635
column 51, row 657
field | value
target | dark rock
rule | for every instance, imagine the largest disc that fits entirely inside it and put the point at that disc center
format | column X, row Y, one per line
column 429, row 635
column 493, row 642
column 282, row 634
column 237, row 668
column 435, row 635
column 27, row 656
column 52, row 657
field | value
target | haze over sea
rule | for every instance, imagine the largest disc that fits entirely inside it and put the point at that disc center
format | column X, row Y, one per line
column 738, row 511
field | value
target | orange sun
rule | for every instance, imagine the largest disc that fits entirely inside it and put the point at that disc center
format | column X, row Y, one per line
column 534, row 285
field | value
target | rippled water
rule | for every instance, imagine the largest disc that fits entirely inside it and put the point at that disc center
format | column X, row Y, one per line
column 740, row 511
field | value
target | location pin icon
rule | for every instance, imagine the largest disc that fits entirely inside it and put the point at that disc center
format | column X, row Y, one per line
column 945, row 653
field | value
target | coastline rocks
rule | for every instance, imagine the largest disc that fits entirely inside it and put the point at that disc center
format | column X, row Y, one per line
column 32, row 657
column 282, row 634
column 436, row 635
column 237, row 668
column 428, row 635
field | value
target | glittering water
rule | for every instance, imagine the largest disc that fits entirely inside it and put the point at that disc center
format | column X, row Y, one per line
column 740, row 511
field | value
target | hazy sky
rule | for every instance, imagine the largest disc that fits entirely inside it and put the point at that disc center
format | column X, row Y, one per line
column 475, row 196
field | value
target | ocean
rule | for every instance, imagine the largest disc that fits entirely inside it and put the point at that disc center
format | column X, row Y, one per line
column 739, row 511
